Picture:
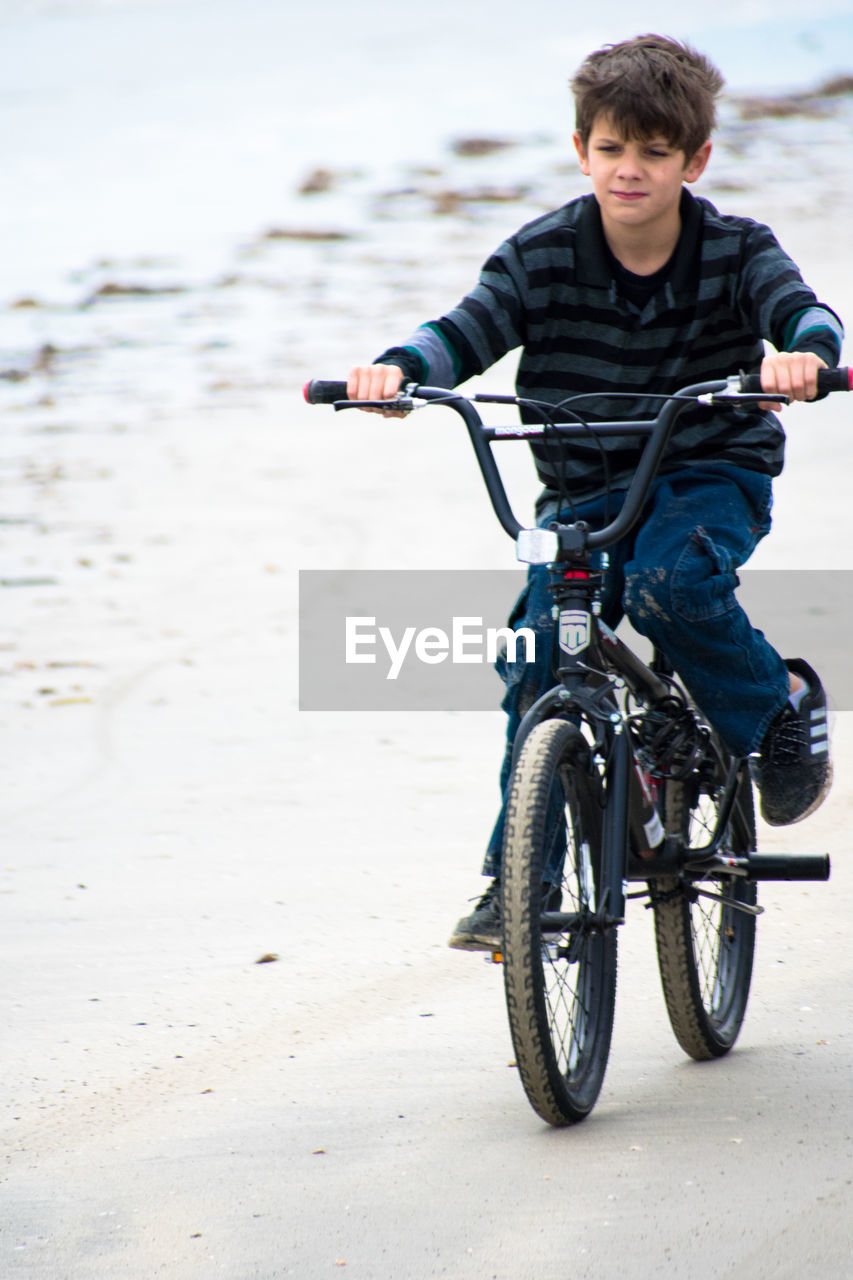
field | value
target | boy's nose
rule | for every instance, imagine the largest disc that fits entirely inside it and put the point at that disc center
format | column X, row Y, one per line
column 629, row 167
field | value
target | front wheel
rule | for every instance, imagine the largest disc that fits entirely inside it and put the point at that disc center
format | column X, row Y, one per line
column 560, row 982
column 705, row 940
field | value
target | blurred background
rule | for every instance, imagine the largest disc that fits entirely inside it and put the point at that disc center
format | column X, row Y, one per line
column 204, row 193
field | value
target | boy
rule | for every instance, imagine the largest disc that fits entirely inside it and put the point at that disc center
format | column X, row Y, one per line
column 642, row 288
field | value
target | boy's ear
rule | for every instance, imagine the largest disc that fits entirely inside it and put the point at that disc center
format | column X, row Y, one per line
column 695, row 167
column 583, row 159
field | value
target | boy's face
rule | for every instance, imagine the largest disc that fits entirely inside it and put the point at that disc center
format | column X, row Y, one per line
column 637, row 182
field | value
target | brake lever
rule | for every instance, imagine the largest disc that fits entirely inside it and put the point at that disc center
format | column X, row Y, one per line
column 733, row 392
column 743, row 397
column 401, row 403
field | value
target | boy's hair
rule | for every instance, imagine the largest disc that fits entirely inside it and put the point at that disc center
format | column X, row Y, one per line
column 649, row 85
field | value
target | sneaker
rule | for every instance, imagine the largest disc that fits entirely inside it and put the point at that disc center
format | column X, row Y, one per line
column 482, row 929
column 793, row 772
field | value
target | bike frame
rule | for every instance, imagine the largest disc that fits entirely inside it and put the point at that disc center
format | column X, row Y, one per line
column 591, row 757
column 588, row 646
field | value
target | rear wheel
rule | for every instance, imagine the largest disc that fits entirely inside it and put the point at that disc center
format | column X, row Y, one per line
column 705, row 943
column 560, row 982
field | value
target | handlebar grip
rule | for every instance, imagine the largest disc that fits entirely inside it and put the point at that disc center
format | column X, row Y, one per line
column 834, row 380
column 827, row 380
column 318, row 391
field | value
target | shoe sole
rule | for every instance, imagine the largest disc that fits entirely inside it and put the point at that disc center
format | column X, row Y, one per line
column 485, row 942
column 816, row 803
column 474, row 942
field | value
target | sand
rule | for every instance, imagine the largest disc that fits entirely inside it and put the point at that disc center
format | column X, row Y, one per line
column 234, row 1040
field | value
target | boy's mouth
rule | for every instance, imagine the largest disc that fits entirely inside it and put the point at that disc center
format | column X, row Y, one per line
column 629, row 195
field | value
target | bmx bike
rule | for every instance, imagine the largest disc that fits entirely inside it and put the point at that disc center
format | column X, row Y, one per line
column 619, row 790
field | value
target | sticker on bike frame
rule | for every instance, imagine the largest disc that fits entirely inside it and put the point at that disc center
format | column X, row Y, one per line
column 574, row 631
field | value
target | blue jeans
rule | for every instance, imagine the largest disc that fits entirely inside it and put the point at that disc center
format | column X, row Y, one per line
column 674, row 577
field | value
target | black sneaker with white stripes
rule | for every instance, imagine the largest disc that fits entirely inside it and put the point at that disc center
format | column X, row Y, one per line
column 793, row 772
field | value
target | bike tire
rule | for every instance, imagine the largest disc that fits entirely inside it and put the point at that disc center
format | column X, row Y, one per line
column 560, row 989
column 705, row 947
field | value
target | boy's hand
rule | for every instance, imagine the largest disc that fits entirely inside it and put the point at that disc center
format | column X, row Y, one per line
column 792, row 374
column 375, row 382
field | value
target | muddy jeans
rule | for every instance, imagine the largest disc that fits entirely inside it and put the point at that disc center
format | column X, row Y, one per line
column 674, row 577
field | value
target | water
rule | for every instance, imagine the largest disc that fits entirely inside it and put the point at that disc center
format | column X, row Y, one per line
column 148, row 147
column 144, row 128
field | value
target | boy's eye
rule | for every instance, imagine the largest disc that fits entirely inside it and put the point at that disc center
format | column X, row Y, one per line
column 613, row 148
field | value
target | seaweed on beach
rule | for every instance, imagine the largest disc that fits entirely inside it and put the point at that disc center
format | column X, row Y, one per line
column 476, row 147
column 308, row 234
column 118, row 289
column 815, row 104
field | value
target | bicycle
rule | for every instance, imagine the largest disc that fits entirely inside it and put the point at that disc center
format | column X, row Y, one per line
column 616, row 781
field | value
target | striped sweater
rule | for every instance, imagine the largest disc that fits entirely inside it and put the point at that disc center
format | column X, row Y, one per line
column 553, row 290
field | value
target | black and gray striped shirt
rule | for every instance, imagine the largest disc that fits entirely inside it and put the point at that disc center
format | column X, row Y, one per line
column 554, row 290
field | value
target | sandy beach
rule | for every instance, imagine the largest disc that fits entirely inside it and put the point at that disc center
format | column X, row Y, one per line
column 235, row 1043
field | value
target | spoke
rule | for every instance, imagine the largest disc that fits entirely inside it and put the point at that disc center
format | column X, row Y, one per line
column 709, row 930
column 704, row 940
column 569, row 1012
column 567, row 993
column 712, row 938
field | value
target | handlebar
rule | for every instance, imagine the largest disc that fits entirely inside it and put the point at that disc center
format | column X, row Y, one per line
column 740, row 389
column 320, row 391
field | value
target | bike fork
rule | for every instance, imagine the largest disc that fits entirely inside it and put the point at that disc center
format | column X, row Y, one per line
column 615, row 826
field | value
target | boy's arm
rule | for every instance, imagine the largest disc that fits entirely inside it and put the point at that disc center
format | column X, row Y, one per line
column 429, row 357
column 486, row 324
column 782, row 308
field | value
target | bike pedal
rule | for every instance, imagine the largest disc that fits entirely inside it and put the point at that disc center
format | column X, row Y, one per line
column 494, row 957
